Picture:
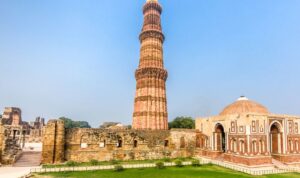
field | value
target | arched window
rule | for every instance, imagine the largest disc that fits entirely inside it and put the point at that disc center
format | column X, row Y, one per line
column 199, row 142
column 254, row 147
column 242, row 146
column 234, row 146
column 135, row 143
column 166, row 143
column 261, row 146
column 120, row 143
column 291, row 145
column 182, row 142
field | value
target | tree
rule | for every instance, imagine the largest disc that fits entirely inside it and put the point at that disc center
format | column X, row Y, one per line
column 182, row 122
column 69, row 123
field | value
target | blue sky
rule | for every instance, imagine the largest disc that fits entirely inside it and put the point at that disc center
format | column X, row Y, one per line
column 77, row 58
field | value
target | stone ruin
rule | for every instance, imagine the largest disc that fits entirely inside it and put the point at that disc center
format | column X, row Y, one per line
column 83, row 145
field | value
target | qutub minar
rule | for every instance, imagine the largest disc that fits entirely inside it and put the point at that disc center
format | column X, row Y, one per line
column 150, row 105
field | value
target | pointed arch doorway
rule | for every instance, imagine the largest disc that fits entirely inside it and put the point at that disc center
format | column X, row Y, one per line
column 275, row 138
column 220, row 141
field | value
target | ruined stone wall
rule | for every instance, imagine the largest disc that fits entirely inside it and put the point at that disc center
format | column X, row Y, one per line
column 103, row 145
column 9, row 148
column 53, row 142
column 83, row 145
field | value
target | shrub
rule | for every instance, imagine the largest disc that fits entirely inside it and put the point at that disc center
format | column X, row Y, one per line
column 94, row 162
column 167, row 160
column 71, row 163
column 160, row 165
column 119, row 168
column 180, row 158
column 113, row 161
column 178, row 163
column 210, row 164
column 195, row 163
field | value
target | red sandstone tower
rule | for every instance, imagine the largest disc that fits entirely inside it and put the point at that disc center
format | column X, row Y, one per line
column 150, row 105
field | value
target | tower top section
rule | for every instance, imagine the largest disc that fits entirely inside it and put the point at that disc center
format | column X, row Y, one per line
column 152, row 0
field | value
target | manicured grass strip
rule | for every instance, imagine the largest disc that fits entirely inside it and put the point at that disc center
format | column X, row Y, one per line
column 206, row 171
column 113, row 162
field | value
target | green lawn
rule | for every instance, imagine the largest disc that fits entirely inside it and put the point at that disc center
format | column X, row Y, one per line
column 113, row 162
column 206, row 171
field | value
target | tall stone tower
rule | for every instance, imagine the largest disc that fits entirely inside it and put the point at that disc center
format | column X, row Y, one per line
column 150, row 105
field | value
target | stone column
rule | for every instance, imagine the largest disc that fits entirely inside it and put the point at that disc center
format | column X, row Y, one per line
column 227, row 143
column 53, row 142
column 1, row 140
column 215, row 141
column 248, row 145
column 279, row 143
column 49, row 142
column 59, row 142
column 284, row 143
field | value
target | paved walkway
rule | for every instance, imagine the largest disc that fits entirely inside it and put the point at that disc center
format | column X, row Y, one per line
column 14, row 172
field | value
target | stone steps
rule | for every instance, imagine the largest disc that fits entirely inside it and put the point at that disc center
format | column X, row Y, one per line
column 28, row 159
column 279, row 164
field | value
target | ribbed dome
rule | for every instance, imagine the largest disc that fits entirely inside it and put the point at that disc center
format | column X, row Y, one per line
column 243, row 105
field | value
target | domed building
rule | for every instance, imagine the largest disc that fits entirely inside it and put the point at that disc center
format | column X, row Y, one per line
column 245, row 132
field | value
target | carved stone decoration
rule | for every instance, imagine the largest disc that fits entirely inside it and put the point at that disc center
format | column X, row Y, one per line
column 151, row 73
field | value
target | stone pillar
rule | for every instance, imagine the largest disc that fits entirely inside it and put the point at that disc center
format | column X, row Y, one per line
column 226, row 142
column 248, row 145
column 48, row 142
column 279, row 143
column 284, row 143
column 53, row 142
column 215, row 141
column 268, row 143
column 59, row 142
column 1, row 140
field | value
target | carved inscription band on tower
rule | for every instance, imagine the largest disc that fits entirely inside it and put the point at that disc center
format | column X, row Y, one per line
column 150, row 105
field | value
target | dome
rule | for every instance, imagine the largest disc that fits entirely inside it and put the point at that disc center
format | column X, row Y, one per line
column 244, row 105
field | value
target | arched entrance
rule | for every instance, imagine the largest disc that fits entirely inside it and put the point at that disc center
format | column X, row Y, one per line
column 220, row 138
column 275, row 138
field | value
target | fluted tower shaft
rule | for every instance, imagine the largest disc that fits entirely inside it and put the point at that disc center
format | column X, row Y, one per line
column 150, row 106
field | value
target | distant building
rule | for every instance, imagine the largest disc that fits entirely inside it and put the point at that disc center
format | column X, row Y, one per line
column 21, row 131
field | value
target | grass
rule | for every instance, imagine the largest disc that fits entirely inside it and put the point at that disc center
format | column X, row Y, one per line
column 113, row 162
column 205, row 171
